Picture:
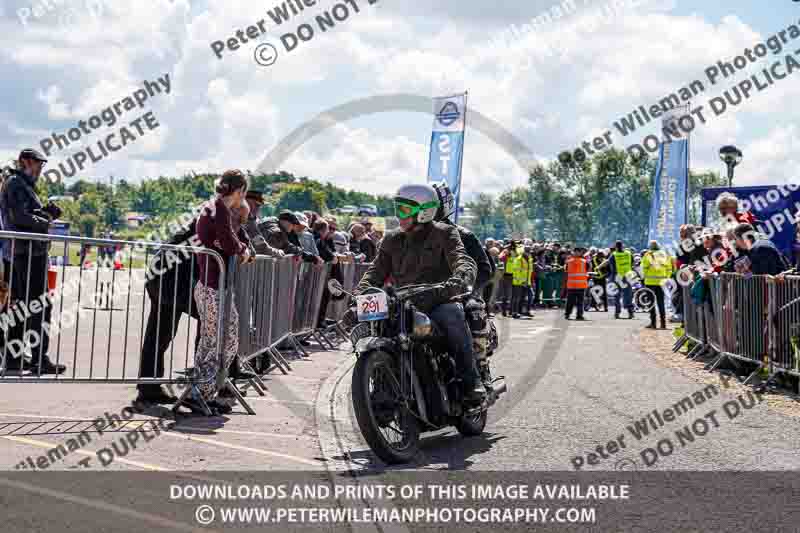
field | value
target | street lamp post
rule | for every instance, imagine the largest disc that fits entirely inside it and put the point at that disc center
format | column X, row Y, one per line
column 731, row 156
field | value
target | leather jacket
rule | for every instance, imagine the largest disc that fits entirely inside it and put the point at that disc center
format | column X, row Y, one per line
column 431, row 254
column 22, row 211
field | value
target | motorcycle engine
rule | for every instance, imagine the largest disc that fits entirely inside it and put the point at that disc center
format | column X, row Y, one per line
column 478, row 321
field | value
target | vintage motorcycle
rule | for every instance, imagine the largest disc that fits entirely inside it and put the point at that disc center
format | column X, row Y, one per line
column 405, row 381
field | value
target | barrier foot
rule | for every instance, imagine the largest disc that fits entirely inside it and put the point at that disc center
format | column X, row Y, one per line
column 298, row 348
column 326, row 339
column 260, row 389
column 256, row 382
column 342, row 332
column 323, row 340
column 720, row 359
column 280, row 361
column 189, row 390
column 319, row 341
column 694, row 352
column 679, row 343
column 751, row 376
column 239, row 398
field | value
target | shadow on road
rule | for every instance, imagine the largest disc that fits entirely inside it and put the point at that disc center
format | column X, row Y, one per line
column 451, row 449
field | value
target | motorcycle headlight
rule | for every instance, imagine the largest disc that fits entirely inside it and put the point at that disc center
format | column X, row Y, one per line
column 422, row 325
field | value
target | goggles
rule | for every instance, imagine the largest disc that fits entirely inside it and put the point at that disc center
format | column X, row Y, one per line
column 404, row 210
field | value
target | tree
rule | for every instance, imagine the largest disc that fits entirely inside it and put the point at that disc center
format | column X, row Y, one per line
column 302, row 197
column 483, row 209
column 88, row 223
column 698, row 181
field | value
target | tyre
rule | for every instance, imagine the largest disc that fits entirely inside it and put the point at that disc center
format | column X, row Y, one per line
column 391, row 431
column 472, row 426
column 493, row 341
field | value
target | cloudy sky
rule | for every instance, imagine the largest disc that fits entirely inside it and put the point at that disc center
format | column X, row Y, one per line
column 551, row 87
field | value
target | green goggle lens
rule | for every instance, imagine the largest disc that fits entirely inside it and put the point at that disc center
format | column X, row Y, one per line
column 404, row 210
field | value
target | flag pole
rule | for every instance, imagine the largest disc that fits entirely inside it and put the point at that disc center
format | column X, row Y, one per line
column 461, row 158
column 688, row 169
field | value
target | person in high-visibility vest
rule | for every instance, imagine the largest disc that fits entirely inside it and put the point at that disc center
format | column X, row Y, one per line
column 621, row 263
column 600, row 280
column 657, row 266
column 507, row 258
column 577, row 282
column 522, row 267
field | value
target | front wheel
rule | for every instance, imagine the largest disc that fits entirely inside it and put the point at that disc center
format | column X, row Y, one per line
column 472, row 426
column 391, row 431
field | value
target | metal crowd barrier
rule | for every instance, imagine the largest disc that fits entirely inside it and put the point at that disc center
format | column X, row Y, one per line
column 103, row 323
column 311, row 284
column 743, row 319
column 279, row 303
column 732, row 322
column 267, row 288
column 784, row 324
column 552, row 287
column 713, row 315
column 255, row 288
column 119, row 321
column 337, row 308
column 694, row 324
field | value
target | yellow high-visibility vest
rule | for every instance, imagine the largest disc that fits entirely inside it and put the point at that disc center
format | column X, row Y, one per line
column 624, row 262
column 657, row 266
column 522, row 269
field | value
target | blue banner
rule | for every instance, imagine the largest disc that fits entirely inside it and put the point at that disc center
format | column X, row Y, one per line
column 668, row 210
column 447, row 143
column 773, row 207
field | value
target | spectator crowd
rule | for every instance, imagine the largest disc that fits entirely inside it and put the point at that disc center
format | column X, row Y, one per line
column 526, row 274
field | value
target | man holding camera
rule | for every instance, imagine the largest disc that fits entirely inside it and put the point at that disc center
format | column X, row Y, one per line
column 23, row 211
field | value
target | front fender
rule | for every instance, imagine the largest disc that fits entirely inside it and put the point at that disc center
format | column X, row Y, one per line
column 369, row 344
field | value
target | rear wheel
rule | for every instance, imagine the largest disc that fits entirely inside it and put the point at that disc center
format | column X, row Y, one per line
column 391, row 431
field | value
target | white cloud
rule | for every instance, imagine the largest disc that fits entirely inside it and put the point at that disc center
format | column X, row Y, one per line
column 229, row 112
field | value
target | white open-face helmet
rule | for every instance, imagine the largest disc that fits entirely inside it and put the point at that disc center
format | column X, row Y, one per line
column 419, row 201
column 446, row 200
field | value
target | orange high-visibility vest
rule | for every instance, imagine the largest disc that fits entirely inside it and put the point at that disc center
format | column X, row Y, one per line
column 577, row 275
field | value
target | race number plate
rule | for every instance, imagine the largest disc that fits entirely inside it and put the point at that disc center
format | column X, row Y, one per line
column 372, row 307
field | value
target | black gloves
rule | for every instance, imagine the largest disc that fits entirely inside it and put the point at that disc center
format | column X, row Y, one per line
column 455, row 286
column 52, row 209
column 350, row 319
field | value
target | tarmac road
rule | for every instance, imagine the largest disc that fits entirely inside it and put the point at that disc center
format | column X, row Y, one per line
column 572, row 387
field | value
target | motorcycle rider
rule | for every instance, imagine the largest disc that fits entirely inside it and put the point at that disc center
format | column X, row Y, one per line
column 475, row 307
column 424, row 251
column 447, row 206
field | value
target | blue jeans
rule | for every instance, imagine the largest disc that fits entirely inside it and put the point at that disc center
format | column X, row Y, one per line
column 626, row 293
column 450, row 320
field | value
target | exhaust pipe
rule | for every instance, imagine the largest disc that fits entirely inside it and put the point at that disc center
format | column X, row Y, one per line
column 497, row 390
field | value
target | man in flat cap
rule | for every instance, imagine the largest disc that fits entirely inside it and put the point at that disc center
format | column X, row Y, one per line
column 279, row 232
column 255, row 200
column 22, row 211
